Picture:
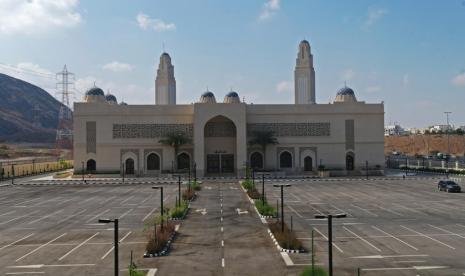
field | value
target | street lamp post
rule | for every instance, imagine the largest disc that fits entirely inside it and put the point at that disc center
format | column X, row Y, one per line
column 330, row 237
column 115, row 221
column 448, row 143
column 282, row 202
column 263, row 189
column 12, row 174
column 82, row 170
column 366, row 168
column 124, row 171
column 161, row 203
column 179, row 189
column 195, row 172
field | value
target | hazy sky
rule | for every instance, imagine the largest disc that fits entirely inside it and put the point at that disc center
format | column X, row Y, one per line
column 408, row 53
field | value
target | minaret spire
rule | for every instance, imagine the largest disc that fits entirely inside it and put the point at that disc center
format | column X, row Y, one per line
column 304, row 75
column 165, row 83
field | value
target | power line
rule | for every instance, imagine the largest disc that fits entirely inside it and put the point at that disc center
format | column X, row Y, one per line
column 26, row 71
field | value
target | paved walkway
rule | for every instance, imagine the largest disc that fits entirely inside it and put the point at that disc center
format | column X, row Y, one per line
column 216, row 240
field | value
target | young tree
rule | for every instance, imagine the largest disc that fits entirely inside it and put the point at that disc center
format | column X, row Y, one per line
column 263, row 138
column 175, row 140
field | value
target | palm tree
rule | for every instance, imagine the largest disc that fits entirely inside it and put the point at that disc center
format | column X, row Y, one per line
column 175, row 140
column 263, row 138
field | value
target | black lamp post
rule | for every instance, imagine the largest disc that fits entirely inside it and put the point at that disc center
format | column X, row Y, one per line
column 82, row 170
column 366, row 167
column 124, row 171
column 179, row 189
column 115, row 221
column 12, row 174
column 330, row 237
column 195, row 172
column 161, row 203
column 282, row 202
column 263, row 189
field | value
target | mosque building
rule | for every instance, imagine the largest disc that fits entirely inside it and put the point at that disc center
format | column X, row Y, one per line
column 342, row 137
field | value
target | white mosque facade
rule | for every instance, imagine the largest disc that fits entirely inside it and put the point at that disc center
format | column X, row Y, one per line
column 342, row 137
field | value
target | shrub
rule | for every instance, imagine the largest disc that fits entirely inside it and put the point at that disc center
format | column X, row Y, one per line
column 247, row 184
column 196, row 186
column 132, row 269
column 179, row 211
column 253, row 193
column 318, row 271
column 188, row 194
column 156, row 244
column 264, row 208
column 286, row 239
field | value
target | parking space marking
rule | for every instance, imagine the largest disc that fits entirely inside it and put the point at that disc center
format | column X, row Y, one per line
column 96, row 216
column 7, row 213
column 113, row 247
column 396, row 238
column 71, row 216
column 43, row 245
column 447, row 231
column 45, row 217
column 287, row 259
column 151, row 212
column 108, row 199
column 340, row 210
column 20, row 217
column 390, row 211
column 362, row 239
column 428, row 237
column 13, row 243
column 293, row 210
column 365, row 210
column 127, row 199
column 79, row 245
column 25, row 272
column 123, row 215
column 152, row 272
column 326, row 238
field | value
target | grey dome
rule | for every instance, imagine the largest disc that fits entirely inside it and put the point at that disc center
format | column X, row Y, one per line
column 346, row 91
column 232, row 97
column 207, row 97
column 95, row 91
column 110, row 98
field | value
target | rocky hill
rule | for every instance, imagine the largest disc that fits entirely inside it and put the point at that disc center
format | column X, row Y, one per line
column 425, row 144
column 27, row 112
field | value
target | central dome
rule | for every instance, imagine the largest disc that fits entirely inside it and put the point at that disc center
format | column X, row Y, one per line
column 345, row 94
column 95, row 95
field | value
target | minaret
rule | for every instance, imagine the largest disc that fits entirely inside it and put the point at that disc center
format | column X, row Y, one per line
column 304, row 75
column 165, row 83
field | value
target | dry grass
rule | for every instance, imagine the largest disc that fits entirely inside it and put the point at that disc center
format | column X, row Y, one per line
column 286, row 239
column 188, row 194
column 156, row 245
column 424, row 144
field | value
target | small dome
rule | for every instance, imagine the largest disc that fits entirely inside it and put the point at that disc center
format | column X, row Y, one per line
column 207, row 97
column 232, row 97
column 95, row 91
column 345, row 94
column 111, row 99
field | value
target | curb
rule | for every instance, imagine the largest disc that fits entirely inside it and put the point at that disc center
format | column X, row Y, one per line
column 167, row 247
column 280, row 248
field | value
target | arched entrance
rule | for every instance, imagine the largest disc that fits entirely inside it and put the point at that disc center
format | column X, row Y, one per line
column 220, row 145
column 129, row 166
column 91, row 165
column 153, row 162
column 256, row 160
column 350, row 161
column 183, row 161
column 285, row 160
column 308, row 164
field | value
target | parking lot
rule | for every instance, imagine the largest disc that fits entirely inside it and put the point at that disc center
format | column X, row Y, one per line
column 393, row 227
column 54, row 230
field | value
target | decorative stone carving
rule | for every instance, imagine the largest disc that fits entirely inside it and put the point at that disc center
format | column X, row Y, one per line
column 291, row 129
column 128, row 131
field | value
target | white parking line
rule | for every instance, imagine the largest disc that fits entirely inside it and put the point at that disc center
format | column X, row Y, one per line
column 23, row 238
column 108, row 199
column 123, row 215
column 428, row 237
column 96, row 216
column 79, row 245
column 340, row 210
column 25, row 272
column 287, row 259
column 122, row 202
column 68, row 217
column 152, row 272
column 292, row 209
column 222, row 262
column 397, row 239
column 365, row 210
column 43, row 245
column 20, row 217
column 151, row 212
column 447, row 231
column 7, row 213
column 113, row 247
column 390, row 211
column 44, row 217
column 367, row 242
column 326, row 238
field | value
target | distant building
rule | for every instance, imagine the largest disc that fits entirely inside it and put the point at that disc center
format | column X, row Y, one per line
column 393, row 130
column 439, row 128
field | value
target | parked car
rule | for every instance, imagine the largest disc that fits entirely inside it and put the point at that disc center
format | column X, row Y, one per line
column 449, row 186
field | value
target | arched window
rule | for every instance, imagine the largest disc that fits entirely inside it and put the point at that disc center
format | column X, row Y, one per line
column 129, row 166
column 285, row 160
column 91, row 165
column 308, row 164
column 350, row 161
column 183, row 161
column 256, row 160
column 153, row 162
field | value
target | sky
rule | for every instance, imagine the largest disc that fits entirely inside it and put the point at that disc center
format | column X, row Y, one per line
column 408, row 54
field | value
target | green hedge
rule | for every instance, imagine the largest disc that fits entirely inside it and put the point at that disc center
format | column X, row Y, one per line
column 317, row 271
column 264, row 209
column 179, row 211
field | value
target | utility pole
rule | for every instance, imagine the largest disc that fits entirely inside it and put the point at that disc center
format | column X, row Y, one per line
column 64, row 134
